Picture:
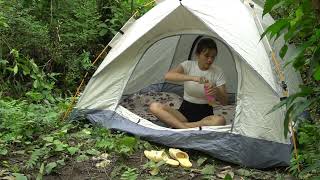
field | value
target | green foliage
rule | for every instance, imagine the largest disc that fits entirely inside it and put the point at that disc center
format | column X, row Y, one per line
column 201, row 160
column 59, row 37
column 22, row 121
column 309, row 154
column 299, row 23
column 21, row 70
column 129, row 174
column 154, row 167
column 19, row 176
column 37, row 131
column 3, row 20
column 208, row 171
column 120, row 143
column 116, row 13
column 296, row 104
column 227, row 177
column 35, row 156
column 45, row 48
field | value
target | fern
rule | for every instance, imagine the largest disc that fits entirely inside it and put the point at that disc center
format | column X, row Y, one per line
column 105, row 144
column 35, row 156
column 129, row 174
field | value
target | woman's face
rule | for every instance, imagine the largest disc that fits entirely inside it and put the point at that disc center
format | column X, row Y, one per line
column 206, row 58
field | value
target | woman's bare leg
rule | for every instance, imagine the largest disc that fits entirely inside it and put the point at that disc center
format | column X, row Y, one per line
column 208, row 121
column 169, row 115
column 175, row 119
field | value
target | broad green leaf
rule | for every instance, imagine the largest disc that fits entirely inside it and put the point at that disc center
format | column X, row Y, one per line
column 57, row 142
column 201, row 160
column 82, row 157
column 25, row 69
column 299, row 62
column 36, row 84
column 208, row 170
column 128, row 141
column 73, row 150
column 103, row 25
column 15, row 53
column 276, row 28
column 316, row 74
column 103, row 32
column 93, row 152
column 50, row 167
column 36, row 96
column 227, row 177
column 269, row 4
column 59, row 145
column 15, row 69
column 299, row 14
column 48, row 139
column 19, row 176
column 40, row 174
column 277, row 106
column 283, row 51
column 315, row 61
column 243, row 172
column 3, row 61
column 86, row 131
column 304, row 91
column 61, row 162
column 3, row 152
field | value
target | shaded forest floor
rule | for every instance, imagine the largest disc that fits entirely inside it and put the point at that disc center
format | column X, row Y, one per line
column 118, row 169
column 137, row 166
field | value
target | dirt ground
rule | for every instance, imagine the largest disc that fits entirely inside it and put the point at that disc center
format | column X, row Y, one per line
column 88, row 170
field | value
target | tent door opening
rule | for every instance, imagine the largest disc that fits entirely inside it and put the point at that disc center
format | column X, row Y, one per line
column 147, row 83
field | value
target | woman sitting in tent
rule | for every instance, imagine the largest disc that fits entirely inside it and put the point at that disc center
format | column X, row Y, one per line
column 202, row 82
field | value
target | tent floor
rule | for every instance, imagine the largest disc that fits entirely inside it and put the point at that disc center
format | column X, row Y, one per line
column 139, row 104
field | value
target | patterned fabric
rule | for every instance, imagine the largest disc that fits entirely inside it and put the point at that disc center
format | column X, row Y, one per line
column 139, row 104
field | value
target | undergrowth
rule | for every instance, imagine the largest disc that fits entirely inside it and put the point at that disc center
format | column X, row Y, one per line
column 35, row 142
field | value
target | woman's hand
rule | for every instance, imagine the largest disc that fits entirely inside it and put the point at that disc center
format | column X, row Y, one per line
column 211, row 89
column 196, row 79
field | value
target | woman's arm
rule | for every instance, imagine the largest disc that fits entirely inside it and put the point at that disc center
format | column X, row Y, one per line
column 177, row 74
column 222, row 94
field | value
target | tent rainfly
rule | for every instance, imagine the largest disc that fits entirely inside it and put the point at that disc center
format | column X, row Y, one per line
column 146, row 48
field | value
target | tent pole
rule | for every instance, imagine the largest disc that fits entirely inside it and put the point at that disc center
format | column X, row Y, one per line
column 73, row 100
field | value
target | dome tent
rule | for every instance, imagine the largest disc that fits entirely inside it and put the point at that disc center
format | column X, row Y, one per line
column 145, row 49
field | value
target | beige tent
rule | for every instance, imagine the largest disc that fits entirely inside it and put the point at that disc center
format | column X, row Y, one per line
column 165, row 36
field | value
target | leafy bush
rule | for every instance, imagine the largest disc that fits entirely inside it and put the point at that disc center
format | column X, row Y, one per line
column 45, row 48
column 47, row 142
column 309, row 151
column 21, row 71
column 62, row 37
column 299, row 23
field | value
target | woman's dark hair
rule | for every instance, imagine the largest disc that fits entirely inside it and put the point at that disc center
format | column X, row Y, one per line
column 206, row 43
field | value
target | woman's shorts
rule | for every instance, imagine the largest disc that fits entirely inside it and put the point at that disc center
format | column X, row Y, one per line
column 195, row 112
